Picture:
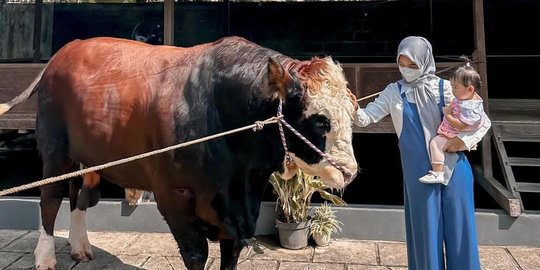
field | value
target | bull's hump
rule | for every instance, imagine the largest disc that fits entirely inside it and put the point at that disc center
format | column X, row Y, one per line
column 124, row 57
column 232, row 39
column 104, row 49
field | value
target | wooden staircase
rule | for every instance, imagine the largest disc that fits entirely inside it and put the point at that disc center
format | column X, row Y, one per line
column 516, row 121
column 503, row 133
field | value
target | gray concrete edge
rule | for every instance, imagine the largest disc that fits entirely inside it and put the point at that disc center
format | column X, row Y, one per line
column 362, row 222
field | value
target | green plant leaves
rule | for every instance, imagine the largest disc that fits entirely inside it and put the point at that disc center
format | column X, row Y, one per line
column 331, row 197
column 324, row 220
column 294, row 195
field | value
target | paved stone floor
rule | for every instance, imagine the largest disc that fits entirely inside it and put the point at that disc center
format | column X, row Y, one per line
column 114, row 250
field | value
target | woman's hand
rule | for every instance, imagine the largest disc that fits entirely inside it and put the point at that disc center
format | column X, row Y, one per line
column 454, row 145
column 353, row 100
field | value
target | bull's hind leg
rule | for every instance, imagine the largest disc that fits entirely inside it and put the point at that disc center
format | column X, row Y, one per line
column 51, row 198
column 82, row 197
column 53, row 146
column 230, row 252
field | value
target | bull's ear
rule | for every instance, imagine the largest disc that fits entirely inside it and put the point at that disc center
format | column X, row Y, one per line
column 279, row 79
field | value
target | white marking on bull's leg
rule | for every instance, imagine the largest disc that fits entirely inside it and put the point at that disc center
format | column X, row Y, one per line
column 44, row 253
column 133, row 196
column 81, row 249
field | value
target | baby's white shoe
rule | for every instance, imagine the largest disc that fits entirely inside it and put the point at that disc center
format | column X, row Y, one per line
column 433, row 178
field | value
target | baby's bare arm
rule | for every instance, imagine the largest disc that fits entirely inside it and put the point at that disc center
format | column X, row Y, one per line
column 455, row 122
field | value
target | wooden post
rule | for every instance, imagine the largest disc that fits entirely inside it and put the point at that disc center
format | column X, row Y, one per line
column 168, row 22
column 228, row 17
column 479, row 57
column 38, row 11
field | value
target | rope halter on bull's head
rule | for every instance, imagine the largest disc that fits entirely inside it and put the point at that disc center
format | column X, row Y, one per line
column 289, row 162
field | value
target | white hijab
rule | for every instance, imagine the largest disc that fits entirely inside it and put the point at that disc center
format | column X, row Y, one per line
column 419, row 50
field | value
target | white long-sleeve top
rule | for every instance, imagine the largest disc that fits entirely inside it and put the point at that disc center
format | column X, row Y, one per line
column 389, row 102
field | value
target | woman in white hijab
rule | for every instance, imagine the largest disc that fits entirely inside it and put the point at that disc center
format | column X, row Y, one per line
column 434, row 213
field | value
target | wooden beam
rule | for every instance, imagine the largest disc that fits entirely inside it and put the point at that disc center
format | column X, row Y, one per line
column 227, row 17
column 479, row 57
column 38, row 12
column 515, row 104
column 525, row 162
column 17, row 122
column 498, row 192
column 528, row 187
column 384, row 126
column 518, row 132
column 168, row 22
column 486, row 155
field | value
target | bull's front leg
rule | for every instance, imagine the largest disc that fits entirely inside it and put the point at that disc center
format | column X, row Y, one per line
column 192, row 244
column 230, row 252
column 177, row 206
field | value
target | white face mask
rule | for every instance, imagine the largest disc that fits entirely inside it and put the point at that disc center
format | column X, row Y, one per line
column 410, row 74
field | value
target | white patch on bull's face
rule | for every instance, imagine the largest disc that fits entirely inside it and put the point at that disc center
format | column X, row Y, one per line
column 44, row 252
column 332, row 101
column 81, row 249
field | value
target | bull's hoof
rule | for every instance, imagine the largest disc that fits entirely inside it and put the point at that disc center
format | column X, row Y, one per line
column 82, row 255
column 45, row 258
column 133, row 196
column 81, row 249
column 49, row 264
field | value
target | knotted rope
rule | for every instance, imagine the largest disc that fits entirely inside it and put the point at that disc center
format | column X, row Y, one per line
column 284, row 141
column 257, row 126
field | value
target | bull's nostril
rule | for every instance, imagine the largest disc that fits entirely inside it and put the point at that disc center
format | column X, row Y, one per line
column 350, row 177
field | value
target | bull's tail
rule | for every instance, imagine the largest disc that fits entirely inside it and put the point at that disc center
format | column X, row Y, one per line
column 5, row 107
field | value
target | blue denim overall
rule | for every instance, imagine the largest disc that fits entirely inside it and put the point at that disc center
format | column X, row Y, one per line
column 434, row 212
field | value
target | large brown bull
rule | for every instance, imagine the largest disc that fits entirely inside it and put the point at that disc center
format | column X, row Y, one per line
column 104, row 99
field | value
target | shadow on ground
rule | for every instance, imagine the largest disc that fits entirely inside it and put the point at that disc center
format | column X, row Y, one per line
column 17, row 254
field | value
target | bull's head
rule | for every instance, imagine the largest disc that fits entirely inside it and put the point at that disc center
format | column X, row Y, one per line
column 317, row 103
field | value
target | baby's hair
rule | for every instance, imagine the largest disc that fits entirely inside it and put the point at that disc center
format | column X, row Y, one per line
column 467, row 76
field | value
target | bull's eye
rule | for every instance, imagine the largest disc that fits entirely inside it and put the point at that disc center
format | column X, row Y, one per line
column 321, row 122
column 323, row 125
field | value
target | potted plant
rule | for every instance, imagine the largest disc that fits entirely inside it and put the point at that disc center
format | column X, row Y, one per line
column 324, row 224
column 293, row 203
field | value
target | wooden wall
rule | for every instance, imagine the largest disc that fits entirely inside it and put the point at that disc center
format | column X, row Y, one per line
column 364, row 79
column 14, row 79
column 17, row 32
